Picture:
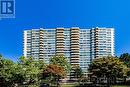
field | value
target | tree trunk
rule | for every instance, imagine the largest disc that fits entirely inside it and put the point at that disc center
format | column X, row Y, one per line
column 124, row 80
column 115, row 80
column 57, row 82
column 108, row 81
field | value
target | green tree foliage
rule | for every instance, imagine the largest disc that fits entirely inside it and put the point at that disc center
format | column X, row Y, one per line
column 108, row 67
column 28, row 72
column 6, row 70
column 78, row 73
column 31, row 70
column 24, row 72
column 61, row 61
column 0, row 56
column 125, row 58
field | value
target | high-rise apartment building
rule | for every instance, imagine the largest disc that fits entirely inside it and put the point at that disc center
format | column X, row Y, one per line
column 79, row 46
column 33, row 44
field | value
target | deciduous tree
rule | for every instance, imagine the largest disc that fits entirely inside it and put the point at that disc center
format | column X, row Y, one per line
column 53, row 73
column 61, row 61
column 125, row 58
column 108, row 67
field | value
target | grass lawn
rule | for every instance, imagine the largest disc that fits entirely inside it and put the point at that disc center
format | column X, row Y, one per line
column 68, row 85
column 74, row 85
column 120, row 86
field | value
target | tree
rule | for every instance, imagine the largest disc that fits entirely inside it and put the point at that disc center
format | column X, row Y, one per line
column 6, row 70
column 61, row 61
column 109, row 68
column 54, row 73
column 78, row 73
column 30, row 70
column 125, row 58
column 0, row 56
column 24, row 72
